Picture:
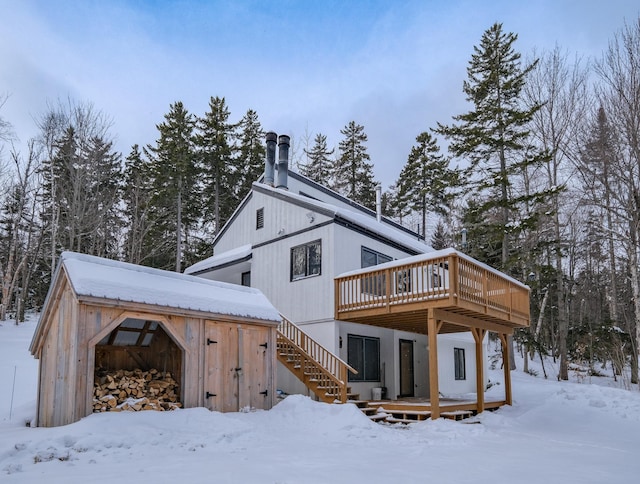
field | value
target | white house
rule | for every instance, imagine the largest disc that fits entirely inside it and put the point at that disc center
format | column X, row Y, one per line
column 291, row 241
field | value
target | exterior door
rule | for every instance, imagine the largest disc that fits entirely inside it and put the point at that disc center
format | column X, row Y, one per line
column 237, row 367
column 406, row 368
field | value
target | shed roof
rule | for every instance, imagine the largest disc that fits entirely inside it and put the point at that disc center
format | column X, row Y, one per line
column 95, row 277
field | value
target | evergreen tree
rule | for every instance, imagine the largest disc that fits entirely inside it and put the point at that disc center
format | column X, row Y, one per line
column 441, row 238
column 425, row 182
column 82, row 185
column 251, row 154
column 216, row 149
column 353, row 174
column 137, row 192
column 319, row 164
column 175, row 206
column 494, row 139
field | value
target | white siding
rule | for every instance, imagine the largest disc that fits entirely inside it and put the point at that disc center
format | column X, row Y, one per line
column 309, row 302
column 446, row 364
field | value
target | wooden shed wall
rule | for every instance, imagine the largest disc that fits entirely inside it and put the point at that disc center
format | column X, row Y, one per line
column 67, row 360
column 58, row 364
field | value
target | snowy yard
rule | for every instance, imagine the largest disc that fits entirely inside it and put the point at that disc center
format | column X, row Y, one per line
column 554, row 432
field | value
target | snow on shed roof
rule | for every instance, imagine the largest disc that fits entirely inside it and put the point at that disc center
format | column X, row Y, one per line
column 362, row 220
column 232, row 255
column 109, row 279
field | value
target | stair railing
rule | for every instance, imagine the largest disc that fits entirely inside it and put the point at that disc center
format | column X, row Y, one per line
column 318, row 366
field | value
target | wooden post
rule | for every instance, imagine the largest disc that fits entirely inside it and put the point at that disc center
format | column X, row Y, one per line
column 434, row 392
column 478, row 336
column 505, row 366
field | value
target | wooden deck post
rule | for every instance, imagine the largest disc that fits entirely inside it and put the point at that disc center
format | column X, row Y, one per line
column 434, row 392
column 505, row 366
column 478, row 336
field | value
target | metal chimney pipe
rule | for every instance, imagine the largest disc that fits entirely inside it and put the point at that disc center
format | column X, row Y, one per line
column 283, row 161
column 379, row 203
column 270, row 161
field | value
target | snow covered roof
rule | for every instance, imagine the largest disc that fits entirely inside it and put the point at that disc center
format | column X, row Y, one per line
column 360, row 219
column 230, row 256
column 433, row 255
column 108, row 279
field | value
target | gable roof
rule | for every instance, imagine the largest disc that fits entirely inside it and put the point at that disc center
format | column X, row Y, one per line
column 93, row 278
column 367, row 223
column 353, row 206
column 358, row 220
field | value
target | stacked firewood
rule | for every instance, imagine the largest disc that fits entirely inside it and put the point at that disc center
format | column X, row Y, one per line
column 134, row 390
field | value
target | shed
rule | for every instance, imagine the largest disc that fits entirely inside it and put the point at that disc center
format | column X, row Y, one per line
column 214, row 341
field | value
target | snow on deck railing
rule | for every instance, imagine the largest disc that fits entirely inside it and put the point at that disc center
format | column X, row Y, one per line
column 443, row 275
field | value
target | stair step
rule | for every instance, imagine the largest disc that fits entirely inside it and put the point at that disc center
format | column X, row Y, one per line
column 400, row 420
column 369, row 410
column 378, row 417
column 457, row 415
column 362, row 404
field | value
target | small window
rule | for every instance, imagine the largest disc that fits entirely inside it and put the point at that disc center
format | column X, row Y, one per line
column 374, row 285
column 260, row 218
column 306, row 260
column 363, row 354
column 246, row 279
column 370, row 258
column 458, row 356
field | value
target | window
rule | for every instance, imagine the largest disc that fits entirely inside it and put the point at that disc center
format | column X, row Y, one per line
column 260, row 218
column 246, row 279
column 370, row 258
column 363, row 354
column 376, row 285
column 458, row 356
column 306, row 260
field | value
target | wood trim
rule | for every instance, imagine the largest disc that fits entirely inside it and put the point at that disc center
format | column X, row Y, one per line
column 478, row 336
column 470, row 321
column 504, row 340
column 167, row 311
column 165, row 322
column 434, row 390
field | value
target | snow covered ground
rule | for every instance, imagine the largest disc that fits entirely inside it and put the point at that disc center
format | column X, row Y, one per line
column 554, row 432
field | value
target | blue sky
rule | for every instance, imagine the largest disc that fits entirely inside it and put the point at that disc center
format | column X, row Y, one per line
column 395, row 67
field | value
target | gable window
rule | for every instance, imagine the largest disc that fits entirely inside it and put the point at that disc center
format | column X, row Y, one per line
column 458, row 357
column 363, row 354
column 260, row 218
column 306, row 260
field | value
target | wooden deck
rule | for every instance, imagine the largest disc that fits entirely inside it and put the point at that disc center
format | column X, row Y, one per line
column 419, row 409
column 439, row 292
column 462, row 292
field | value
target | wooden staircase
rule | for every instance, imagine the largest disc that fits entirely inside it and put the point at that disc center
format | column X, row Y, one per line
column 320, row 370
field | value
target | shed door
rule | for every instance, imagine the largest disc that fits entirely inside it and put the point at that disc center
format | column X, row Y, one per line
column 254, row 377
column 237, row 367
column 221, row 361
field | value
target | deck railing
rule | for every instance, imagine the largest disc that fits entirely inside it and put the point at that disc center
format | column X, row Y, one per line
column 326, row 370
column 449, row 280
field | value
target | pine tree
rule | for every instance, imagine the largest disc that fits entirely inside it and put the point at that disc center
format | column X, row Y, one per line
column 319, row 164
column 251, row 154
column 82, row 185
column 425, row 183
column 493, row 137
column 441, row 238
column 353, row 174
column 216, row 150
column 137, row 192
column 175, row 207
